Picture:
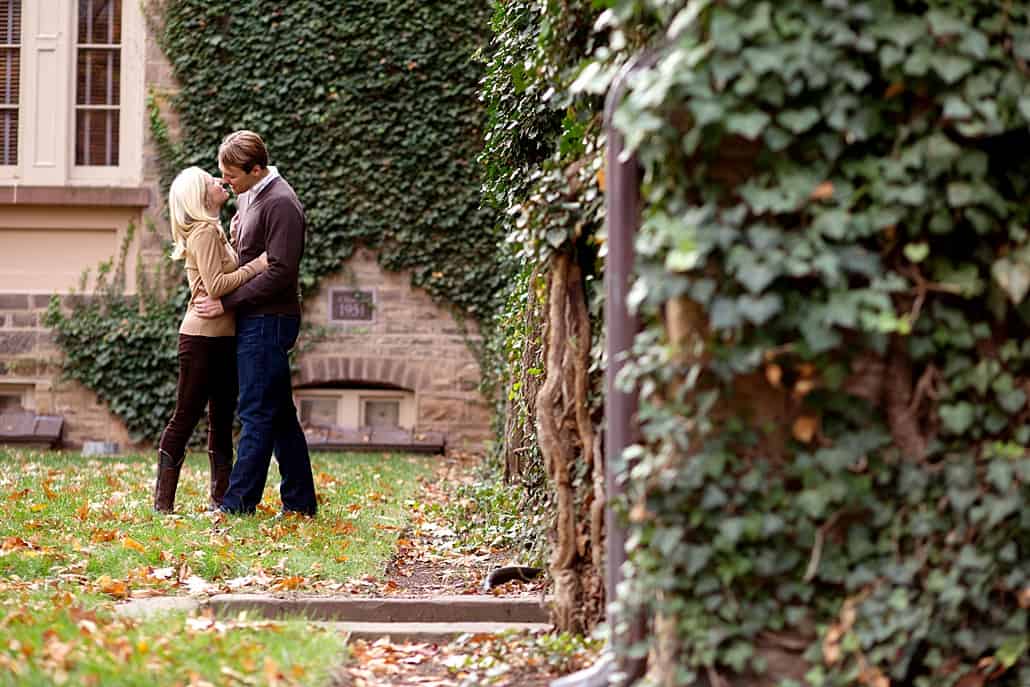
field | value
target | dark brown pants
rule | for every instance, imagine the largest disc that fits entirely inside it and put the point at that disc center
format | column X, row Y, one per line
column 207, row 377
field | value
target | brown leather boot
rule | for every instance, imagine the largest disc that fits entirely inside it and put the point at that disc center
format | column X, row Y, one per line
column 168, row 469
column 221, row 467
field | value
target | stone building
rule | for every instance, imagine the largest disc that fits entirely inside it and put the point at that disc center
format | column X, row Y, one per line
column 78, row 168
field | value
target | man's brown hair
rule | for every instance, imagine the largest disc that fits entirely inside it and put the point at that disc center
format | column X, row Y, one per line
column 243, row 149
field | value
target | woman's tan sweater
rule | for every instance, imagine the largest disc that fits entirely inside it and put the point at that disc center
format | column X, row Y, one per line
column 212, row 269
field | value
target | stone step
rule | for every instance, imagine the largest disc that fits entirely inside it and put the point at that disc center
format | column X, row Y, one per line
column 445, row 609
column 425, row 633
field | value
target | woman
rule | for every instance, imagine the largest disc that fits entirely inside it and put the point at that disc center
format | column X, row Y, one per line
column 207, row 347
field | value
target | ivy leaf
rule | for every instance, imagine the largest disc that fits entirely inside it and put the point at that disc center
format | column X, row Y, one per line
column 1012, row 649
column 951, row 68
column 917, row 252
column 557, row 236
column 748, row 125
column 798, row 121
column 943, row 24
column 1013, row 276
column 1012, row 401
column 756, row 277
column 1024, row 107
column 903, row 31
column 760, row 310
column 957, row 417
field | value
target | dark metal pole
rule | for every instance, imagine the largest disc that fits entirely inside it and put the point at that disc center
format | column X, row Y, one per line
column 620, row 407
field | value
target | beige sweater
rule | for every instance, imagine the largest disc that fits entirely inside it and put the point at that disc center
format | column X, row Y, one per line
column 212, row 269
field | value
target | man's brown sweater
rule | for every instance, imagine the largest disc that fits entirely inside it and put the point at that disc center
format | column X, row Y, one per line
column 272, row 222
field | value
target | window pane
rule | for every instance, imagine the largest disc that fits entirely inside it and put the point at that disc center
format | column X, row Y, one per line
column 96, row 137
column 382, row 413
column 10, row 403
column 99, row 77
column 10, row 79
column 100, row 22
column 318, row 411
column 10, row 22
column 8, row 137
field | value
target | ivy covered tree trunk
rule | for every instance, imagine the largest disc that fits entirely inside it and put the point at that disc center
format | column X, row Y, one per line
column 569, row 446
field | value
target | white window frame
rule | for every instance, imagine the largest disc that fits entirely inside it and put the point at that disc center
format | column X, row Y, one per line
column 10, row 170
column 350, row 403
column 24, row 391
column 46, row 136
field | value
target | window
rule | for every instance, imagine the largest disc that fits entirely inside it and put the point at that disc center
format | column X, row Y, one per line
column 98, row 77
column 381, row 413
column 10, row 79
column 16, row 398
column 72, row 92
column 319, row 411
column 353, row 408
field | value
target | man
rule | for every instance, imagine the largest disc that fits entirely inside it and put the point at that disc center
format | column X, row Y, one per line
column 269, row 218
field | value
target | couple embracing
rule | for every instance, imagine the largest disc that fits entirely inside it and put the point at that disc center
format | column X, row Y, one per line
column 242, row 320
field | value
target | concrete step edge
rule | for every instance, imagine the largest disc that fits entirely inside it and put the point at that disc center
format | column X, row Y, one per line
column 451, row 609
column 428, row 633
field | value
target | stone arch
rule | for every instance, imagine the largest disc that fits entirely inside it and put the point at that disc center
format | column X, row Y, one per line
column 361, row 369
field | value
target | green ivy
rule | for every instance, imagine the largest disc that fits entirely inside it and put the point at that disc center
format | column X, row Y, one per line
column 124, row 348
column 541, row 146
column 369, row 110
column 839, row 189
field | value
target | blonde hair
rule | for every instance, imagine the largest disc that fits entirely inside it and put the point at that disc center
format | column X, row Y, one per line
column 187, row 207
column 243, row 149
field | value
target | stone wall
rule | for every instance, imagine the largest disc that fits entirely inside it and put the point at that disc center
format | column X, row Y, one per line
column 30, row 359
column 412, row 342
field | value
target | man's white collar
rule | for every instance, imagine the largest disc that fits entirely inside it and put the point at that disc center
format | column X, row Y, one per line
column 273, row 172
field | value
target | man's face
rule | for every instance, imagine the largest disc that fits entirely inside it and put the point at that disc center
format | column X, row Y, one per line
column 240, row 181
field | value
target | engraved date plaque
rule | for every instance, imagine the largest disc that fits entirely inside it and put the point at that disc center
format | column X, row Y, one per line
column 351, row 305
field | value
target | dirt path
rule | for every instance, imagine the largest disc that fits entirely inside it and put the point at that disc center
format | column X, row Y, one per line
column 432, row 561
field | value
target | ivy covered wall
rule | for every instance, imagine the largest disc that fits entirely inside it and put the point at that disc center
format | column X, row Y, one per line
column 370, row 110
column 832, row 277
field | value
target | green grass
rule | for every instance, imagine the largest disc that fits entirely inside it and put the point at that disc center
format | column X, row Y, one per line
column 64, row 513
column 59, row 638
column 79, row 534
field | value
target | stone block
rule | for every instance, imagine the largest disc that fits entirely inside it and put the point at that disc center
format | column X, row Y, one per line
column 17, row 342
column 41, row 300
column 14, row 301
column 25, row 320
column 439, row 410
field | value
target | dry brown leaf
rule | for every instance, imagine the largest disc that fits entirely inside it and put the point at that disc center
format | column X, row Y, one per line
column 130, row 543
column 804, row 428
column 822, row 191
column 896, row 88
column 803, row 387
column 115, row 588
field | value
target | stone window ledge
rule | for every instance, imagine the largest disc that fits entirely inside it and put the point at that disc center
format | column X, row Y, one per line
column 79, row 196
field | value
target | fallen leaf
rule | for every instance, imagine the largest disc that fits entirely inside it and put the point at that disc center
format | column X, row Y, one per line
column 804, row 428
column 115, row 588
column 896, row 88
column 130, row 543
column 822, row 191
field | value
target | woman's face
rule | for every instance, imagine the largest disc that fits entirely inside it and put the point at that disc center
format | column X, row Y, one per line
column 215, row 194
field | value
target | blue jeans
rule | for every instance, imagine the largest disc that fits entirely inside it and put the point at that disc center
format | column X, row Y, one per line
column 269, row 418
